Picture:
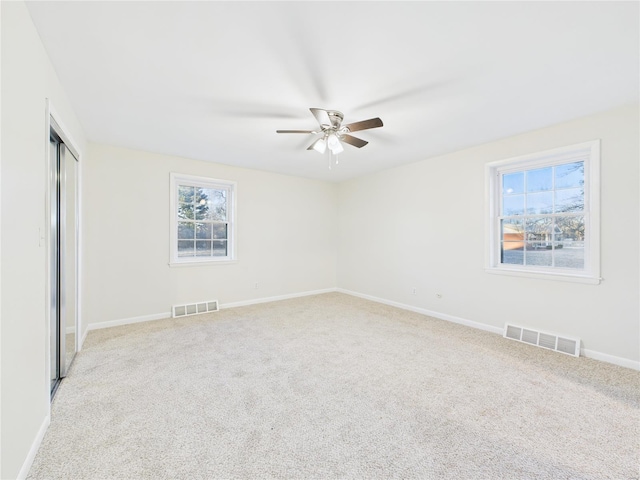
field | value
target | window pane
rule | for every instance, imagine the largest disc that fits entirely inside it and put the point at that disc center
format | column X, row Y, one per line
column 512, row 230
column 538, row 203
column 185, row 211
column 540, row 179
column 513, row 205
column 512, row 253
column 539, row 233
column 203, row 231
column 569, row 251
column 513, row 183
column 539, row 244
column 202, row 203
column 217, row 205
column 570, row 175
column 186, row 248
column 203, row 248
column 185, row 230
column 572, row 257
column 571, row 229
column 219, row 248
column 220, row 230
column 541, row 258
column 569, row 200
column 185, row 194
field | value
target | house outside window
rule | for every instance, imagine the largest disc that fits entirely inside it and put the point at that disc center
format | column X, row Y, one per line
column 544, row 214
column 202, row 220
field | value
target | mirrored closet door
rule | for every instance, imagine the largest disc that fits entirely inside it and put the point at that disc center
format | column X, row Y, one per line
column 64, row 257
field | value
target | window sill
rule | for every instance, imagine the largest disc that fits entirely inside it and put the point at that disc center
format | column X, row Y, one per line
column 562, row 277
column 202, row 263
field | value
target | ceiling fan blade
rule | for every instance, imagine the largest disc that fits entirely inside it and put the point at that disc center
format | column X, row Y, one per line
column 351, row 140
column 322, row 116
column 295, row 131
column 365, row 124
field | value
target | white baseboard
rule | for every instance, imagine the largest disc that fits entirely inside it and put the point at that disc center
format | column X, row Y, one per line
column 161, row 316
column 603, row 357
column 424, row 311
column 26, row 466
column 277, row 298
column 128, row 321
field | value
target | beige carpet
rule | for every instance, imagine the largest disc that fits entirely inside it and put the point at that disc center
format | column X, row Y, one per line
column 334, row 386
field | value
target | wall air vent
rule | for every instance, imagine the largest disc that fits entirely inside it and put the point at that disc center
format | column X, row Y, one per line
column 562, row 344
column 195, row 308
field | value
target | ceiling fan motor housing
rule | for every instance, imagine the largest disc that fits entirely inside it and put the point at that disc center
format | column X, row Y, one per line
column 336, row 118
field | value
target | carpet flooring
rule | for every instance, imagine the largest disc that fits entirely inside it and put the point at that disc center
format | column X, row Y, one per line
column 333, row 386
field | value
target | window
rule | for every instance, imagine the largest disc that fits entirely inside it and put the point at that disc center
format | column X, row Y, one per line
column 543, row 214
column 202, row 220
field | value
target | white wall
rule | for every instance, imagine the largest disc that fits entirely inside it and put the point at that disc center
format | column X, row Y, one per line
column 27, row 79
column 423, row 225
column 286, row 236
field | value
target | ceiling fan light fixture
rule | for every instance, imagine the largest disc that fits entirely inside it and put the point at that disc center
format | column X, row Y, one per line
column 334, row 144
column 320, row 145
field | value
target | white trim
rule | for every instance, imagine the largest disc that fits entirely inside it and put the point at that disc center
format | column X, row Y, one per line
column 587, row 151
column 128, row 321
column 424, row 311
column 47, row 254
column 232, row 187
column 79, row 252
column 26, row 465
column 1, row 223
column 605, row 357
column 553, row 155
column 167, row 315
column 595, row 355
column 276, row 298
column 202, row 263
column 562, row 277
column 66, row 136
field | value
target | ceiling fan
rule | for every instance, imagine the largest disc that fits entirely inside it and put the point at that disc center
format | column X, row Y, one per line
column 333, row 132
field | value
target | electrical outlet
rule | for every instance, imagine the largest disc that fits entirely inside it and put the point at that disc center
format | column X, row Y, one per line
column 414, row 291
column 256, row 286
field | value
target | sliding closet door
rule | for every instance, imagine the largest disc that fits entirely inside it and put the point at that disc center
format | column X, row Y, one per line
column 54, row 317
column 69, row 257
column 64, row 257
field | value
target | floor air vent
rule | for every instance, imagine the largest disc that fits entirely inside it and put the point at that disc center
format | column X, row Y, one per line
column 195, row 308
column 570, row 346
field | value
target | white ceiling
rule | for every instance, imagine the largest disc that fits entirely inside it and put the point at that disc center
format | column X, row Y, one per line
column 214, row 80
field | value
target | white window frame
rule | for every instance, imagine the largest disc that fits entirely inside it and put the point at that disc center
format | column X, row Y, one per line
column 590, row 153
column 177, row 179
